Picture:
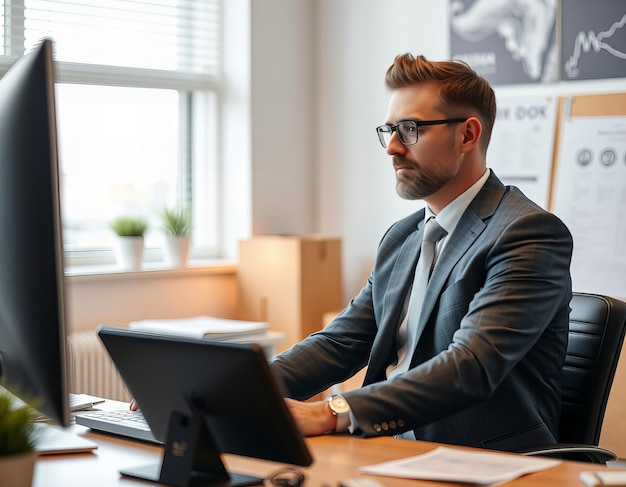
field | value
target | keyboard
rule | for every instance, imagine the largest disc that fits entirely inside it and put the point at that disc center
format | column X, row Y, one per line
column 122, row 422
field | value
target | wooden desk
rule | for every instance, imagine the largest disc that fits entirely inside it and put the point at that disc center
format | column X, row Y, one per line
column 336, row 457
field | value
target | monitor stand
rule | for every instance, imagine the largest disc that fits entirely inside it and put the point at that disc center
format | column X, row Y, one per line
column 190, row 458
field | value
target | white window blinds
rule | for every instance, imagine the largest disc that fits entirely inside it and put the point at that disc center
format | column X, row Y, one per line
column 178, row 36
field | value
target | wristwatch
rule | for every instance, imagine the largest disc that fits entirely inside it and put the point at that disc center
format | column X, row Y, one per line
column 341, row 409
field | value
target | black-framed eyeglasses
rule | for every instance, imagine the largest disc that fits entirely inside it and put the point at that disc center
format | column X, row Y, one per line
column 407, row 130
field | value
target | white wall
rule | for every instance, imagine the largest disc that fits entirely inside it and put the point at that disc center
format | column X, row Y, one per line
column 235, row 147
column 317, row 95
column 356, row 42
column 282, row 107
column 118, row 298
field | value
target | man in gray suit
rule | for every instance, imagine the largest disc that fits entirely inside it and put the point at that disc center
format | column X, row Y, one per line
column 485, row 367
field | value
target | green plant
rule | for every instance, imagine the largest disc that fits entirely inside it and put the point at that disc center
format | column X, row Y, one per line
column 17, row 426
column 176, row 221
column 125, row 226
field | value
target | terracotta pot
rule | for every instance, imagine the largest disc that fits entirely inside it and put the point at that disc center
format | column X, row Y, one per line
column 17, row 470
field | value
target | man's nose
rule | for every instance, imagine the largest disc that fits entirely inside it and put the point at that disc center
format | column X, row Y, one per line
column 394, row 146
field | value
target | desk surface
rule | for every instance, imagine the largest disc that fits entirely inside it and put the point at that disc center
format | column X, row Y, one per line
column 336, row 457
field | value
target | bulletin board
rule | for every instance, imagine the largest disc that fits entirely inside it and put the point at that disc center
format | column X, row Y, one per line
column 589, row 188
column 589, row 194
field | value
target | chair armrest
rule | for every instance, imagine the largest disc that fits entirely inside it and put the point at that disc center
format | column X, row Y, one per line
column 572, row 451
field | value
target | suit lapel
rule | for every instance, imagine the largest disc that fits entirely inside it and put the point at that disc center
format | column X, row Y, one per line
column 400, row 280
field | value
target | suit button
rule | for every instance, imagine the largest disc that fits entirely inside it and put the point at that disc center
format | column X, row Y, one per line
column 400, row 423
column 393, row 425
column 385, row 426
column 377, row 427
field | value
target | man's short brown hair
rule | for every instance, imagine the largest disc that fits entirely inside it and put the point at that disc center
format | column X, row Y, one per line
column 460, row 87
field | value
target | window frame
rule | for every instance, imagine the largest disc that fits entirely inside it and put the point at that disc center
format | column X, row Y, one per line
column 191, row 86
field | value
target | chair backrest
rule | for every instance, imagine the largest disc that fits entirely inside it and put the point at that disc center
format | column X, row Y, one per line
column 596, row 334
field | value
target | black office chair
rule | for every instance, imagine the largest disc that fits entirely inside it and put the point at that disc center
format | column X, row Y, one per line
column 596, row 334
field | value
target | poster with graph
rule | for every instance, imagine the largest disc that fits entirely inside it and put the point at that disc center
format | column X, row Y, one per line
column 593, row 42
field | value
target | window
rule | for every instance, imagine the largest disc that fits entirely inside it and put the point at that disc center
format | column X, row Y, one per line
column 137, row 97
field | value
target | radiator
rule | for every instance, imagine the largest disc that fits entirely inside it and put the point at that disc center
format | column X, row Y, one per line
column 91, row 370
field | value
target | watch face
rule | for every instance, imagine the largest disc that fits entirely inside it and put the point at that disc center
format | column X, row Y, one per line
column 339, row 405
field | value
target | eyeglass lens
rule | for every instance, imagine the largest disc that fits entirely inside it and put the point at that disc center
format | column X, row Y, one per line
column 406, row 130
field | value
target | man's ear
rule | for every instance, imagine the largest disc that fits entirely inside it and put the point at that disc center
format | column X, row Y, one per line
column 472, row 128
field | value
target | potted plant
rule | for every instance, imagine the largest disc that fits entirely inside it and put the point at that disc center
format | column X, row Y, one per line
column 177, row 227
column 130, row 232
column 17, row 442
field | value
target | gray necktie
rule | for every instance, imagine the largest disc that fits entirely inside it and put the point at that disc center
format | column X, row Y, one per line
column 432, row 233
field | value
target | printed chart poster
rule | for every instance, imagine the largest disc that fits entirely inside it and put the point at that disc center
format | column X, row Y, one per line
column 506, row 41
column 522, row 144
column 590, row 197
column 593, row 39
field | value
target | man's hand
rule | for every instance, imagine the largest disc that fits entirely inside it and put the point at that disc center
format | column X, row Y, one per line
column 314, row 418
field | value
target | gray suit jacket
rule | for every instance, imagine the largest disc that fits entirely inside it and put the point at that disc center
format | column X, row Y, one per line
column 492, row 338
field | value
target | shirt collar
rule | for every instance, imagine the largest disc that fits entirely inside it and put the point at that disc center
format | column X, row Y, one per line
column 451, row 214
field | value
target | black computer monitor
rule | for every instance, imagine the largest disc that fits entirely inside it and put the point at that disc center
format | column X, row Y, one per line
column 213, row 397
column 32, row 333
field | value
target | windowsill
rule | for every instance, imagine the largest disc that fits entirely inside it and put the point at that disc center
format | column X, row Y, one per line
column 149, row 270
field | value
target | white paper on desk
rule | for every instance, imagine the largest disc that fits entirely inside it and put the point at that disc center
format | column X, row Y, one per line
column 470, row 467
column 203, row 327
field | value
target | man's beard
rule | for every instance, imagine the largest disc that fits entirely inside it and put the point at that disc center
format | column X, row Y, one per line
column 422, row 185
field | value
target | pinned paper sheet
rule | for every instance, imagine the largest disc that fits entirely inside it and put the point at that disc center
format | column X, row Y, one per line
column 468, row 467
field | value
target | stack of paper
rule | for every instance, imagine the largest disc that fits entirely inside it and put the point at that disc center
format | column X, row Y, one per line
column 204, row 327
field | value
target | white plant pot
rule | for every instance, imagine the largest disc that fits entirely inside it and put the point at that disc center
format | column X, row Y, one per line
column 17, row 470
column 130, row 253
column 176, row 250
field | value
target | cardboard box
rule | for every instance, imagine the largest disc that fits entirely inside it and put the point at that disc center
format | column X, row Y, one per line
column 289, row 281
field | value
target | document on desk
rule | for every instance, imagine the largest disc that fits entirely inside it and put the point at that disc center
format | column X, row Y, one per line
column 470, row 467
column 203, row 327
